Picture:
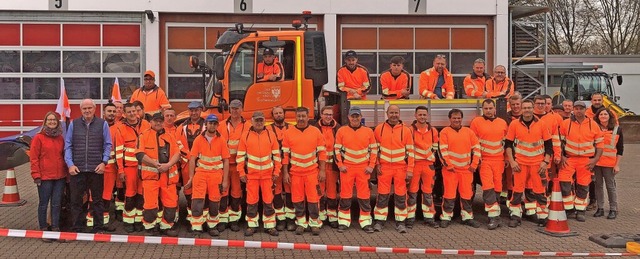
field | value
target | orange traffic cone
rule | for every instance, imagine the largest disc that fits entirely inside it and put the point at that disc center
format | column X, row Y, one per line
column 557, row 224
column 11, row 197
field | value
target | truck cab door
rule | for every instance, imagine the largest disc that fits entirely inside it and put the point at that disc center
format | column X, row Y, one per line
column 264, row 94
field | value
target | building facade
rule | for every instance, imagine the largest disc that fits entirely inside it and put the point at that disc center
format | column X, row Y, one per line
column 87, row 44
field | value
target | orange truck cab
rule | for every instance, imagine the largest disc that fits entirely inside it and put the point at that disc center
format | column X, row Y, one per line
column 301, row 52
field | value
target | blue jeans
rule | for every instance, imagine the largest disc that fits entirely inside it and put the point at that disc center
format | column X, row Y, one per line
column 50, row 190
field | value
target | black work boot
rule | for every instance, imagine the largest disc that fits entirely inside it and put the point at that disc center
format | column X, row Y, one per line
column 515, row 222
column 494, row 222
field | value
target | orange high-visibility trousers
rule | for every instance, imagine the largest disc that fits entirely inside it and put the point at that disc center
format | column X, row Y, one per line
column 110, row 179
column 162, row 189
column 184, row 172
column 305, row 188
column 425, row 172
column 577, row 166
column 491, row 174
column 460, row 180
column 207, row 184
column 255, row 187
column 133, row 183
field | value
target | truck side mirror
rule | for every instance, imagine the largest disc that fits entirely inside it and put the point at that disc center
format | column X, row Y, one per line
column 619, row 79
column 218, row 66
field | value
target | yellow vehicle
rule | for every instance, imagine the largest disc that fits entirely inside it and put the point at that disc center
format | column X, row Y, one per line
column 581, row 85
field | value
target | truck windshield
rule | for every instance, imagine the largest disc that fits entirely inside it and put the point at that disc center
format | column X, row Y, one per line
column 590, row 84
column 241, row 71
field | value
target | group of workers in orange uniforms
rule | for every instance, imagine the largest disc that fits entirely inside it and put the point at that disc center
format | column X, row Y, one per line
column 434, row 83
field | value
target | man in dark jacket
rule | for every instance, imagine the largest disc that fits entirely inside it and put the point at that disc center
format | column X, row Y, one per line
column 86, row 152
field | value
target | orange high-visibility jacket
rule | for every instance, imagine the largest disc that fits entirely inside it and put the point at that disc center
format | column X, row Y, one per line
column 149, row 143
column 494, row 88
column 153, row 101
column 491, row 133
column 232, row 135
column 260, row 152
column 392, row 86
column 355, row 146
column 395, row 146
column 358, row 80
column 553, row 121
column 457, row 146
column 581, row 139
column 529, row 142
column 181, row 140
column 128, row 135
column 279, row 132
column 302, row 149
column 117, row 150
column 589, row 112
column 425, row 143
column 428, row 81
column 613, row 147
column 210, row 154
column 474, row 85
column 329, row 133
column 267, row 70
column 189, row 131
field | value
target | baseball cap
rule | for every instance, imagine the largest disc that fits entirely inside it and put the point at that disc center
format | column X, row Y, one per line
column 258, row 115
column 355, row 110
column 579, row 103
column 150, row 73
column 268, row 51
column 157, row 116
column 195, row 105
column 235, row 104
column 211, row 118
column 350, row 54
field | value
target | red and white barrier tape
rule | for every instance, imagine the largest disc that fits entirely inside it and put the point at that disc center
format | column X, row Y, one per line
column 276, row 245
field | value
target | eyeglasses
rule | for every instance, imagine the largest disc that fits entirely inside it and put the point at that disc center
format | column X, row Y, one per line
column 499, row 73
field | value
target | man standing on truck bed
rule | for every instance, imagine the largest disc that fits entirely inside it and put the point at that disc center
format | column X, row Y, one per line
column 460, row 153
column 396, row 161
column 491, row 132
column 500, row 84
column 474, row 83
column 353, row 78
column 152, row 97
column 232, row 129
column 396, row 82
column 303, row 148
column 437, row 82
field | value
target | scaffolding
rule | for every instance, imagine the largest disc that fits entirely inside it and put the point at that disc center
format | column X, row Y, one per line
column 528, row 30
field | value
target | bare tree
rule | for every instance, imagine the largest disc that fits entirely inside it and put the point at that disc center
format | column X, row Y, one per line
column 569, row 29
column 617, row 24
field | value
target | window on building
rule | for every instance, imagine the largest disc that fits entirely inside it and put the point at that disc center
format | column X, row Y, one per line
column 71, row 51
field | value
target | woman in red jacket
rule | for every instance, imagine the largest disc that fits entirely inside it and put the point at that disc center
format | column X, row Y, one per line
column 49, row 170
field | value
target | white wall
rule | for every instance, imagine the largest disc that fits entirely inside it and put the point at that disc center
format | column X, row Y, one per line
column 629, row 91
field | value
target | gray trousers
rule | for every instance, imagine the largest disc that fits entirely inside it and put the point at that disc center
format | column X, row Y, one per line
column 606, row 173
